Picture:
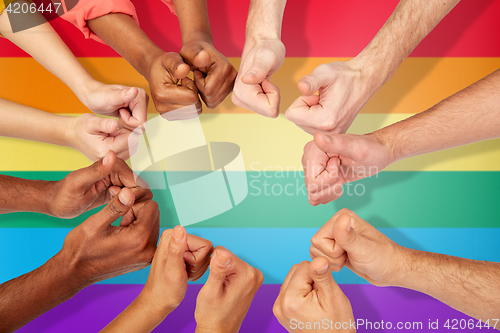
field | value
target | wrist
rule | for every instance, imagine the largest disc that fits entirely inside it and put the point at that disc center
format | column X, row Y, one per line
column 67, row 272
column 87, row 87
column 154, row 308
column 200, row 36
column 405, row 269
column 385, row 139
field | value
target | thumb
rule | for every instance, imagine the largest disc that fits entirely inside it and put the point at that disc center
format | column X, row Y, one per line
column 323, row 280
column 260, row 69
column 309, row 84
column 89, row 176
column 97, row 124
column 118, row 206
column 221, row 263
column 346, row 232
column 336, row 144
column 176, row 249
column 195, row 55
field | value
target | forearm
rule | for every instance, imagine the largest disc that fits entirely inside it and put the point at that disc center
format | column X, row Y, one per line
column 470, row 115
column 24, row 195
column 265, row 19
column 193, row 21
column 410, row 22
column 30, row 295
column 23, row 122
column 140, row 316
column 470, row 286
column 124, row 35
column 47, row 48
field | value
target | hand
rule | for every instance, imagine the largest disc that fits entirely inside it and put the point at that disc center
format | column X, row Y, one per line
column 343, row 87
column 225, row 298
column 180, row 257
column 98, row 251
column 345, row 158
column 253, row 89
column 129, row 105
column 172, row 101
column 348, row 240
column 91, row 187
column 94, row 137
column 213, row 74
column 308, row 295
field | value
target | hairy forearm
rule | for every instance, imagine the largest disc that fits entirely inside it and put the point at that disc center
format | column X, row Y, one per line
column 26, row 297
column 23, row 122
column 193, row 21
column 265, row 19
column 470, row 115
column 123, row 34
column 25, row 195
column 140, row 316
column 470, row 286
column 47, row 48
column 410, row 22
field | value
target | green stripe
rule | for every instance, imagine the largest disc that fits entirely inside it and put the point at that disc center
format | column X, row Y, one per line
column 393, row 199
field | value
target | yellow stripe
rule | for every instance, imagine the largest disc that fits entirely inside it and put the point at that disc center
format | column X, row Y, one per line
column 267, row 144
column 418, row 84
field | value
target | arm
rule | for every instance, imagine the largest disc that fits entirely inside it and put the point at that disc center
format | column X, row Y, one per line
column 47, row 48
column 180, row 257
column 213, row 74
column 263, row 55
column 162, row 70
column 120, row 250
column 470, row 286
column 345, row 87
column 91, row 135
column 471, row 115
column 78, row 192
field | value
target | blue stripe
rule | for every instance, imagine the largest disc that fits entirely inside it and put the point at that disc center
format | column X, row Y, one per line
column 272, row 250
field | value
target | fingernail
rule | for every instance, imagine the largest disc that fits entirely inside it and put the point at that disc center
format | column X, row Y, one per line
column 327, row 139
column 323, row 269
column 129, row 91
column 223, row 260
column 308, row 84
column 179, row 232
column 124, row 198
column 106, row 159
column 253, row 74
column 349, row 227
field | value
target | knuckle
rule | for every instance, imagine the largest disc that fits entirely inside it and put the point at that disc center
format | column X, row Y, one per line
column 114, row 208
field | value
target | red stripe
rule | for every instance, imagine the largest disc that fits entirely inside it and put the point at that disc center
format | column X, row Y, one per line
column 316, row 28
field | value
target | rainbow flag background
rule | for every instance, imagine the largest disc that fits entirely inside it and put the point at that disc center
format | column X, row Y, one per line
column 443, row 202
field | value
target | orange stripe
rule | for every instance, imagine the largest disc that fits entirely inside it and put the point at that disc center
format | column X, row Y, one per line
column 418, row 84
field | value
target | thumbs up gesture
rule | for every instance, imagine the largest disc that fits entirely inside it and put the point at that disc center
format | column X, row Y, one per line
column 225, row 298
column 348, row 240
column 311, row 301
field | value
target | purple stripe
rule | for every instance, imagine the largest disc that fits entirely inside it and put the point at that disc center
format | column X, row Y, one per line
column 94, row 307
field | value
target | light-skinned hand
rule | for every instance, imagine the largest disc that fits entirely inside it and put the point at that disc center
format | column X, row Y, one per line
column 179, row 257
column 128, row 104
column 93, row 186
column 225, row 298
column 94, row 137
column 308, row 295
column 253, row 89
column 344, row 158
column 343, row 89
column 347, row 240
column 213, row 74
